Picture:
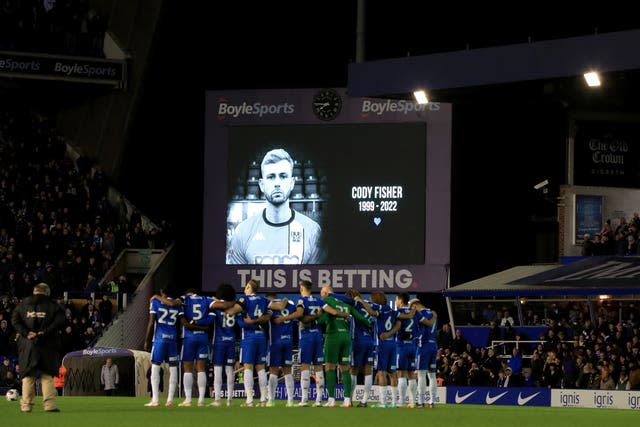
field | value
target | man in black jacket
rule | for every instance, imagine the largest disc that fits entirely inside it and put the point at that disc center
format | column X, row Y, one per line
column 38, row 321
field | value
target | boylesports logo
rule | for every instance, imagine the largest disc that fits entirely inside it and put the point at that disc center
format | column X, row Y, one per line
column 257, row 108
column 99, row 351
column 379, row 107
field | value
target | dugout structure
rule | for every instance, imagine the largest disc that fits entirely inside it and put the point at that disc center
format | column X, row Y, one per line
column 84, row 367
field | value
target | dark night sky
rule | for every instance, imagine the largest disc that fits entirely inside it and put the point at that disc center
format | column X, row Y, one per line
column 501, row 148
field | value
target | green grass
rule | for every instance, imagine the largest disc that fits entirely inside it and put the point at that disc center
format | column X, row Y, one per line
column 130, row 411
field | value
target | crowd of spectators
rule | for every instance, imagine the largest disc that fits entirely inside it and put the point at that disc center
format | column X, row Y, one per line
column 68, row 27
column 58, row 226
column 621, row 240
column 572, row 352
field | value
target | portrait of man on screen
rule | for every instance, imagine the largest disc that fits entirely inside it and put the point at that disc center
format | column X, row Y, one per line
column 278, row 234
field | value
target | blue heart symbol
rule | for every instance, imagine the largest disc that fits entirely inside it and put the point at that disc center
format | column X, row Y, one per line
column 377, row 220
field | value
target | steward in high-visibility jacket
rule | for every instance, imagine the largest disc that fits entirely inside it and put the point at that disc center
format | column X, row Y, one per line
column 58, row 380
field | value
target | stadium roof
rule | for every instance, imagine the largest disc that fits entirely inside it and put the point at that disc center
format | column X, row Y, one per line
column 539, row 68
column 590, row 276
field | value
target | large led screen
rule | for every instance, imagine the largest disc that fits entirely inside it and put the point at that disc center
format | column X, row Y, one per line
column 356, row 198
column 341, row 194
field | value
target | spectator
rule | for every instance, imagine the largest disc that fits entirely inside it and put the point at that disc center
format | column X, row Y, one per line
column 6, row 336
column 18, row 371
column 588, row 246
column 94, row 319
column 623, row 382
column 622, row 227
column 491, row 365
column 457, row 376
column 506, row 319
column 10, row 380
column 109, row 377
column 5, row 367
column 503, row 378
column 591, row 379
column 495, row 335
column 86, row 308
column 443, row 368
column 476, row 377
column 606, row 382
column 459, row 343
column 444, row 337
column 473, row 319
column 528, row 318
column 488, row 314
column 569, row 369
column 634, row 376
column 88, row 337
column 552, row 377
column 70, row 340
column 509, row 337
column 515, row 362
column 58, row 380
column 91, row 286
column 105, row 308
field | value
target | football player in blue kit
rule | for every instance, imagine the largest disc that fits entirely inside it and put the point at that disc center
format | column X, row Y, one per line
column 253, row 343
column 310, row 342
column 195, row 343
column 161, row 338
column 426, row 351
column 280, row 347
column 406, row 350
column 224, row 345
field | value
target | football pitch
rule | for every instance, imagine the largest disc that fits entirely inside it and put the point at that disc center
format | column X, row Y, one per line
column 130, row 411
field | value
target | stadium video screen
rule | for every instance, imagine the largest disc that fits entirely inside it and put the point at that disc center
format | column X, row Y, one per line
column 317, row 194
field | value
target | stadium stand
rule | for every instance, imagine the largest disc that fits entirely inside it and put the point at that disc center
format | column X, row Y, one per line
column 60, row 222
column 69, row 27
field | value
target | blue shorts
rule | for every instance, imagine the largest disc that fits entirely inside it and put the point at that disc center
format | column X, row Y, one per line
column 253, row 350
column 281, row 353
column 195, row 347
column 362, row 352
column 164, row 351
column 386, row 356
column 406, row 356
column 311, row 351
column 224, row 353
column 426, row 357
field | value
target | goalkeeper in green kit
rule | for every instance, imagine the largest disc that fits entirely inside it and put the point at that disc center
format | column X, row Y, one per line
column 337, row 344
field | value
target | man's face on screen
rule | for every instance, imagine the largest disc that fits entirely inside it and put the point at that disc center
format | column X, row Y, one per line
column 277, row 182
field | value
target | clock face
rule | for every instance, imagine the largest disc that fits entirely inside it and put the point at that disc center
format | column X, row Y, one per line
column 327, row 104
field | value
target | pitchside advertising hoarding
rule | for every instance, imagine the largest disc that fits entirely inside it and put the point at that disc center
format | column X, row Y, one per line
column 602, row 399
column 310, row 184
column 538, row 396
column 66, row 68
column 375, row 394
column 499, row 396
column 488, row 396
